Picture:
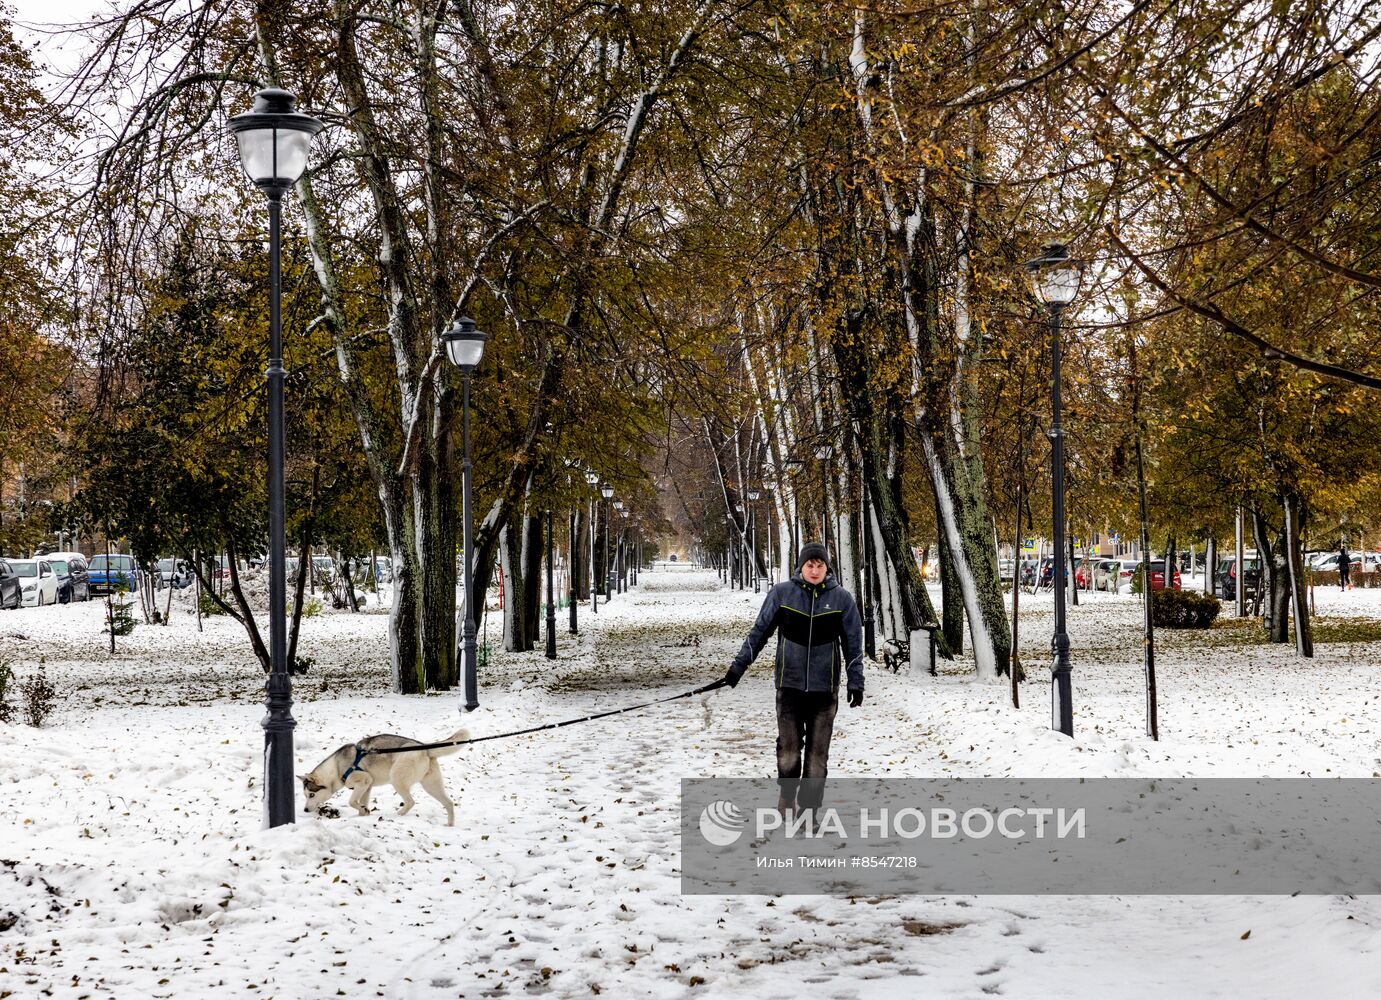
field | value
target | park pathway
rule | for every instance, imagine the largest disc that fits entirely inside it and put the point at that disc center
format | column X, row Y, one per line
column 582, row 893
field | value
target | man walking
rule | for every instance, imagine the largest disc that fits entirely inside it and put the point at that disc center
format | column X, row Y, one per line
column 819, row 641
column 1344, row 568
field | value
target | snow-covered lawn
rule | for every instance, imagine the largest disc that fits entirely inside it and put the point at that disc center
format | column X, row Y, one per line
column 133, row 863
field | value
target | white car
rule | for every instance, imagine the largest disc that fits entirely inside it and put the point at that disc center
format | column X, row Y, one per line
column 38, row 582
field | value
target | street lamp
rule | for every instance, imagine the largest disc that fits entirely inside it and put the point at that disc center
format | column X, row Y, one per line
column 607, row 492
column 274, row 140
column 570, row 562
column 592, row 478
column 1055, row 281
column 753, row 520
column 622, row 576
column 738, row 549
column 869, row 635
column 551, row 590
column 465, row 347
column 618, row 553
column 823, row 452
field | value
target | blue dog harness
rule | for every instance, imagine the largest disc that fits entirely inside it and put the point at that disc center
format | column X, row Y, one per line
column 359, row 756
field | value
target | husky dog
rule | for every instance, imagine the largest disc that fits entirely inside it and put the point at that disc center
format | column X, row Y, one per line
column 347, row 769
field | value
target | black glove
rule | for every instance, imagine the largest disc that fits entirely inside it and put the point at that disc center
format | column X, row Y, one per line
column 732, row 678
column 855, row 697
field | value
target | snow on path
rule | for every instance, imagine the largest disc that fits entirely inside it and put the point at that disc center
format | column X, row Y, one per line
column 133, row 864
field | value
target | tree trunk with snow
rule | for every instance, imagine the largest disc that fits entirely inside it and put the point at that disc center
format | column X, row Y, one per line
column 1304, row 632
column 534, row 576
column 951, row 597
column 1275, row 578
column 515, row 635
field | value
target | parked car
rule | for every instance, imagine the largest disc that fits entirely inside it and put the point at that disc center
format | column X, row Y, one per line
column 323, row 570
column 1361, row 562
column 1126, row 572
column 79, row 587
column 1005, row 568
column 362, row 577
column 39, row 581
column 11, row 587
column 1226, row 577
column 74, row 583
column 175, row 573
column 1107, row 575
column 1027, row 573
column 1158, row 575
column 222, row 570
column 1048, row 571
column 1081, row 573
column 109, row 572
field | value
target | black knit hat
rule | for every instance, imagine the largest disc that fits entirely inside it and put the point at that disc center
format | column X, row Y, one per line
column 809, row 551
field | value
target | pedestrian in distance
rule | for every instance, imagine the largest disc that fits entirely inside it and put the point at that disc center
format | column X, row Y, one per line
column 1344, row 569
column 819, row 643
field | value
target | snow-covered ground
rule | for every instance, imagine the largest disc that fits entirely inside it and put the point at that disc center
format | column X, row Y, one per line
column 133, row 863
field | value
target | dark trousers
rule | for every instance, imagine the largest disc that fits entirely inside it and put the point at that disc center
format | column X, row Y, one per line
column 1343, row 573
column 805, row 723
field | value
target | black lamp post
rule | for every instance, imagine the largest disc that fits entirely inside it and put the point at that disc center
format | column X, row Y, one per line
column 623, row 552
column 823, row 453
column 753, row 520
column 593, row 479
column 729, row 562
column 743, row 566
column 607, row 492
column 869, row 635
column 465, row 346
column 551, row 590
column 274, row 140
column 1055, row 280
column 570, row 574
column 618, row 553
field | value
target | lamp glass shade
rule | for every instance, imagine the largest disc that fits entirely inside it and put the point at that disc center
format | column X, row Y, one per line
column 606, row 491
column 753, row 494
column 1057, row 286
column 465, row 344
column 592, row 478
column 274, row 155
column 1055, row 275
column 274, row 139
column 618, row 505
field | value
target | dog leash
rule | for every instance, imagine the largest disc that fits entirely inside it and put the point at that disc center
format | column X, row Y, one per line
column 537, row 729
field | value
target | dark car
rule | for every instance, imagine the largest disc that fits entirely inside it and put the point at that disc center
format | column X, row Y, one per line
column 113, row 572
column 1226, row 578
column 11, row 590
column 74, row 582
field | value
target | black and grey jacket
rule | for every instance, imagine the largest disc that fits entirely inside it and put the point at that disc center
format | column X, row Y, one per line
column 819, row 636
